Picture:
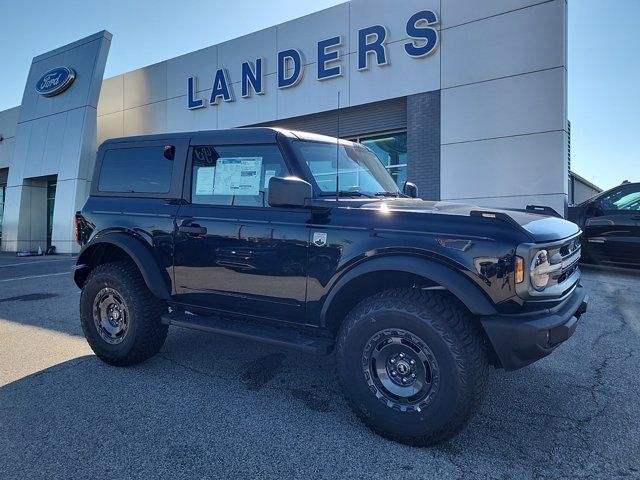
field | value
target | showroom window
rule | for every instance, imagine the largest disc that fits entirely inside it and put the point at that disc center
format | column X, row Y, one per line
column 391, row 149
column 2, row 192
column 51, row 201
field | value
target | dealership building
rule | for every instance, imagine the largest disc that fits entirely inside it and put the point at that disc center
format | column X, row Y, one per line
column 466, row 99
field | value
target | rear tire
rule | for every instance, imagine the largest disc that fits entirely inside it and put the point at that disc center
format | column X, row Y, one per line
column 412, row 364
column 120, row 317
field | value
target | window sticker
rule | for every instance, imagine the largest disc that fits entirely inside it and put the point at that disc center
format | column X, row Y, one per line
column 238, row 176
column 204, row 180
column 267, row 176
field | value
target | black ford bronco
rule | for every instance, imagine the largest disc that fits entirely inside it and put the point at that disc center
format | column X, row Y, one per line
column 306, row 242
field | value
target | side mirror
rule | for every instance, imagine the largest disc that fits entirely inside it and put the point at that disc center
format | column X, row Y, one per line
column 410, row 189
column 169, row 152
column 289, row 192
column 595, row 209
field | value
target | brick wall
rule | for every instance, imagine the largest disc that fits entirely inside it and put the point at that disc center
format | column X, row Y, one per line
column 423, row 143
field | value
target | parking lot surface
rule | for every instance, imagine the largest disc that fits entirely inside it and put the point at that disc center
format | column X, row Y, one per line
column 213, row 407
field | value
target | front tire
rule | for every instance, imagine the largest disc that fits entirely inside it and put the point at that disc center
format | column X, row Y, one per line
column 412, row 364
column 120, row 317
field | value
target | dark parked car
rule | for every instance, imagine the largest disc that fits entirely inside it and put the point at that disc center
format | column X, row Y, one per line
column 306, row 242
column 610, row 223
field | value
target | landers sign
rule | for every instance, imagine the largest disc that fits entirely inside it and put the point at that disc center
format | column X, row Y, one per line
column 290, row 66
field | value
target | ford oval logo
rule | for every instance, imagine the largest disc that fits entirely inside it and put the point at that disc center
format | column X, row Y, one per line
column 55, row 81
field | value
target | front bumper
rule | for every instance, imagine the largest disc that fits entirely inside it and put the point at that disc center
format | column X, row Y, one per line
column 521, row 339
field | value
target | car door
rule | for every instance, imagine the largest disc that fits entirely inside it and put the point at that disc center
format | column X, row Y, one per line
column 612, row 228
column 233, row 252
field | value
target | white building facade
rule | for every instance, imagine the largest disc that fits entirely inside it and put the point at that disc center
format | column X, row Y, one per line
column 466, row 99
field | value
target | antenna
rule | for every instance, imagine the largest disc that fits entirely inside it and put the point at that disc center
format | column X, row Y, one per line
column 338, row 152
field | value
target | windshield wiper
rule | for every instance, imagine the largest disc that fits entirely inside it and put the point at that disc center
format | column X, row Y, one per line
column 389, row 194
column 346, row 193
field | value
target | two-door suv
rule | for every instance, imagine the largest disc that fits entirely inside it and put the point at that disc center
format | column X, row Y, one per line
column 305, row 241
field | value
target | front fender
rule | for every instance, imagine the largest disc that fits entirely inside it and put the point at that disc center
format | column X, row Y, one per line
column 155, row 277
column 456, row 282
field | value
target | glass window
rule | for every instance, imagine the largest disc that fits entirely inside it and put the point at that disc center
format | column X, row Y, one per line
column 631, row 201
column 51, row 201
column 2, row 193
column 235, row 175
column 391, row 149
column 136, row 170
column 627, row 198
column 358, row 170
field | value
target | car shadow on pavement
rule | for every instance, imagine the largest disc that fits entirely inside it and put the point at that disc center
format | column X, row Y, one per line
column 210, row 406
column 50, row 303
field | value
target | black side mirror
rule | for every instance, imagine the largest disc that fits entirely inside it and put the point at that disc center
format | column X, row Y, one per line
column 410, row 189
column 594, row 209
column 289, row 192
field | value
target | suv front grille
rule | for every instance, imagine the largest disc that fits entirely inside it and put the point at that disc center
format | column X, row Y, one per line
column 566, row 255
column 570, row 247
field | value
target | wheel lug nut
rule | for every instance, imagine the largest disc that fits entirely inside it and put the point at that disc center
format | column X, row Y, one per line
column 393, row 360
column 413, row 375
column 412, row 362
column 404, row 380
column 402, row 355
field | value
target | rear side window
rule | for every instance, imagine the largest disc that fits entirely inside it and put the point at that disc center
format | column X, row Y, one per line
column 136, row 170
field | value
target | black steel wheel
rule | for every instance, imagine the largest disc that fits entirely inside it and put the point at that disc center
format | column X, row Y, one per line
column 110, row 316
column 413, row 365
column 400, row 369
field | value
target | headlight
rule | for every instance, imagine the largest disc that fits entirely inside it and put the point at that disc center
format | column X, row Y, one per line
column 540, row 270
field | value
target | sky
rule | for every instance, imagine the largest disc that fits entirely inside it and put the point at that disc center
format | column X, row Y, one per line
column 604, row 57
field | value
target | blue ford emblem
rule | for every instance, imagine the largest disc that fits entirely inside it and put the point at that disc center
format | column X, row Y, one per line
column 55, row 81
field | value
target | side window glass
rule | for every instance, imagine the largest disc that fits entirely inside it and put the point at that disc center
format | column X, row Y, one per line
column 622, row 200
column 234, row 175
column 136, row 170
column 630, row 201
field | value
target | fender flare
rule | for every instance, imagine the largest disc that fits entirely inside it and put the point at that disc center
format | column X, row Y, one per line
column 472, row 296
column 156, row 279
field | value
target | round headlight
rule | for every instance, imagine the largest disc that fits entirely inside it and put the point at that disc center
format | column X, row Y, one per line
column 540, row 270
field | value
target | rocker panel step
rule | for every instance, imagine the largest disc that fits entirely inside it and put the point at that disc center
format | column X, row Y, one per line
column 252, row 331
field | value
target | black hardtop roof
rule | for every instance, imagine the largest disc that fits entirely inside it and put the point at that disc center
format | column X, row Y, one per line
column 230, row 135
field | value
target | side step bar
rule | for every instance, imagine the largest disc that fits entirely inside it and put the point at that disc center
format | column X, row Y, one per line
column 253, row 331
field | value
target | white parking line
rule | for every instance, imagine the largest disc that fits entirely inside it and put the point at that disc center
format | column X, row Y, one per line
column 33, row 276
column 37, row 261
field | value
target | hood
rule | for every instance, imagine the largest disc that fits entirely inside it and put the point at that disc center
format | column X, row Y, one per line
column 542, row 228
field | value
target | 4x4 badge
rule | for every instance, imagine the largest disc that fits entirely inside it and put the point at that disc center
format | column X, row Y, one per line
column 319, row 239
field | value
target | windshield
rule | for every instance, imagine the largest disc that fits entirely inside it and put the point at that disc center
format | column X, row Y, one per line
column 358, row 169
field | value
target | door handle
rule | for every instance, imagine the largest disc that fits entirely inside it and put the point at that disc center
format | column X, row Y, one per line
column 192, row 229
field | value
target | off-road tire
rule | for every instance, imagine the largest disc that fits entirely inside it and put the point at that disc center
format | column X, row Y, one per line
column 455, row 341
column 145, row 335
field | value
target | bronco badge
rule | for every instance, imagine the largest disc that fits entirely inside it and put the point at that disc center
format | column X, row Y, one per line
column 319, row 239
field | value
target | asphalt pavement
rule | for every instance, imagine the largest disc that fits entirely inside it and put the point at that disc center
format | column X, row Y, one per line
column 214, row 407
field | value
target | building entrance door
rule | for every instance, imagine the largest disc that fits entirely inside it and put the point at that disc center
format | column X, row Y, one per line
column 3, row 188
column 51, row 200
